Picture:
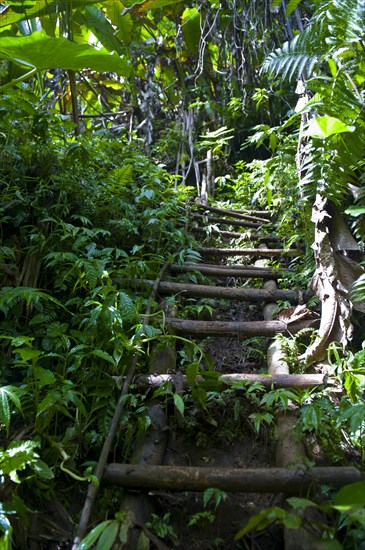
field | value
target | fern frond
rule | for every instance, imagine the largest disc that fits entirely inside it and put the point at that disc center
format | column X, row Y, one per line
column 358, row 290
column 290, row 60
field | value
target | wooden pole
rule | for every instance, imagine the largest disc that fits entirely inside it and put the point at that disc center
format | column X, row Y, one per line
column 237, row 480
column 231, row 271
column 234, row 214
column 222, row 292
column 241, row 329
column 250, row 236
column 225, row 221
column 279, row 381
column 262, row 252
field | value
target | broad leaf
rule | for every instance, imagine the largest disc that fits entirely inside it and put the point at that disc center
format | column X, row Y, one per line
column 192, row 373
column 351, row 496
column 191, row 29
column 94, row 534
column 179, row 403
column 37, row 8
column 39, row 51
column 326, row 126
column 108, row 536
column 291, row 6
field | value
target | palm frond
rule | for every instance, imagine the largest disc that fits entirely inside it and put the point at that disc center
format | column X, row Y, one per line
column 290, row 60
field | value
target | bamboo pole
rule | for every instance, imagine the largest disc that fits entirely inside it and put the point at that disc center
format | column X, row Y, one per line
column 237, row 480
column 213, row 270
column 276, row 381
column 225, row 221
column 241, row 329
column 235, row 235
column 224, row 293
column 234, row 214
column 263, row 253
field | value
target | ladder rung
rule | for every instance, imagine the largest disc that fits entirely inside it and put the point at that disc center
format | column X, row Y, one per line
column 258, row 480
column 232, row 271
column 223, row 293
column 262, row 252
column 241, row 329
column 224, row 380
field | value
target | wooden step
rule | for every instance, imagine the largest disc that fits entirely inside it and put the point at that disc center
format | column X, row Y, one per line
column 240, row 329
column 262, row 213
column 242, row 271
column 250, row 236
column 234, row 214
column 224, row 293
column 221, row 382
column 238, row 480
column 262, row 252
column 225, row 221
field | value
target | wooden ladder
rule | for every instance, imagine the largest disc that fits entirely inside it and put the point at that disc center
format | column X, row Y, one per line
column 147, row 474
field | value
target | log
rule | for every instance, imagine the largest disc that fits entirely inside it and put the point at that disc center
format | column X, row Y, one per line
column 225, row 221
column 234, row 214
column 278, row 381
column 223, row 292
column 237, row 213
column 240, row 329
column 238, row 480
column 262, row 213
column 229, row 271
column 262, row 252
column 235, row 235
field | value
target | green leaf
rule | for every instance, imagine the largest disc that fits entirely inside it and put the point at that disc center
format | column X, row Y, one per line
column 292, row 521
column 43, row 376
column 179, row 403
column 42, row 469
column 4, row 409
column 291, row 6
column 127, row 306
column 39, row 51
column 143, row 542
column 35, row 8
column 191, row 20
column 103, row 355
column 303, row 503
column 123, row 533
column 28, row 354
column 261, row 521
column 148, row 5
column 108, row 536
column 94, row 534
column 355, row 210
column 114, row 9
column 326, row 126
column 191, row 373
column 351, row 496
column 94, row 19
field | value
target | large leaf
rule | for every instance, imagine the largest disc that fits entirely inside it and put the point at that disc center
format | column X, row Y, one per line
column 39, row 51
column 325, row 126
column 95, row 20
column 191, row 29
column 27, row 9
column 114, row 9
column 142, row 6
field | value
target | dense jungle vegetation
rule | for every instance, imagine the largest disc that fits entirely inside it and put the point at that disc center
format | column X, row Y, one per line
column 113, row 115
